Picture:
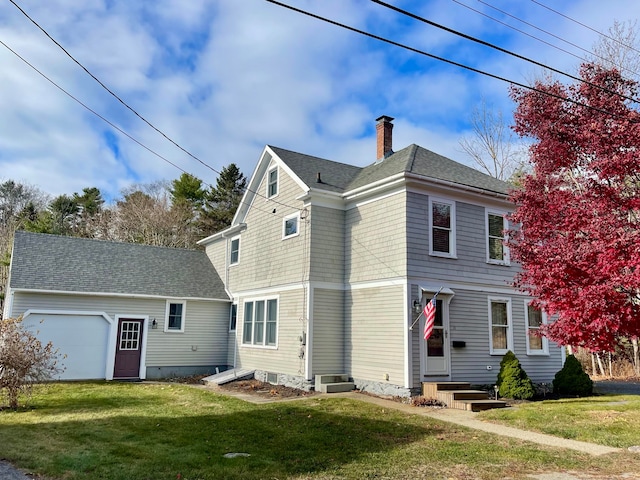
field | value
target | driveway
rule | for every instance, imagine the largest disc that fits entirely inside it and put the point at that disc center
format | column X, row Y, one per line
column 631, row 387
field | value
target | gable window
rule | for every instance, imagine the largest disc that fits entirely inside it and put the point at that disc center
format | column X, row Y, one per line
column 290, row 225
column 233, row 317
column 234, row 254
column 175, row 314
column 272, row 182
column 260, row 326
column 497, row 252
column 535, row 318
column 442, row 222
column 500, row 335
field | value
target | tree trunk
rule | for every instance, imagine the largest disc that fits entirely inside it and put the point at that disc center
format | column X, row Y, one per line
column 636, row 356
column 593, row 363
column 600, row 366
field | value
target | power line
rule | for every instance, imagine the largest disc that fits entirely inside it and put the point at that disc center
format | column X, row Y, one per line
column 540, row 30
column 500, row 49
column 442, row 59
column 126, row 105
column 106, row 120
column 585, row 26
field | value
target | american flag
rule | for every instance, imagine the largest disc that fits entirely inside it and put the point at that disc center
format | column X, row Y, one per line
column 430, row 317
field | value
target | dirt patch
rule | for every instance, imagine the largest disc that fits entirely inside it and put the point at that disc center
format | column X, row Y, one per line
column 263, row 389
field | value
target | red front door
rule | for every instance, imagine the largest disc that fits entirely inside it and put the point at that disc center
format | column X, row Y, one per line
column 128, row 349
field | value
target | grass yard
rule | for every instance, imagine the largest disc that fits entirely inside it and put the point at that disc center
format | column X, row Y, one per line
column 119, row 431
column 612, row 420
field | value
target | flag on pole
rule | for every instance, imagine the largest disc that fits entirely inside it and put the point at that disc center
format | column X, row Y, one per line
column 430, row 317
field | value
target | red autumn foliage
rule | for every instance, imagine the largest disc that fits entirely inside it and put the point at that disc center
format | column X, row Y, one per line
column 579, row 209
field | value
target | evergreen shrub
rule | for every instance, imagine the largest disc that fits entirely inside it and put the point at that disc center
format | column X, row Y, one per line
column 572, row 379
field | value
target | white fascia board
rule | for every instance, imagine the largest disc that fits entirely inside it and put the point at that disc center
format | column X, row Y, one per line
column 414, row 180
column 252, row 187
column 119, row 295
column 322, row 198
column 375, row 187
column 285, row 167
column 227, row 233
column 83, row 313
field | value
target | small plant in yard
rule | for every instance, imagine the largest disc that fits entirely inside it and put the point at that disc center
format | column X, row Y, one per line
column 24, row 360
column 508, row 357
column 421, row 401
column 572, row 379
column 514, row 382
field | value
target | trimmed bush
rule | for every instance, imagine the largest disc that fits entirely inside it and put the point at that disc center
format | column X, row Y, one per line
column 514, row 382
column 508, row 357
column 572, row 379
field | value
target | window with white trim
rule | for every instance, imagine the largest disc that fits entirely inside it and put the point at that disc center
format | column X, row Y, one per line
column 233, row 317
column 496, row 225
column 500, row 333
column 535, row 318
column 174, row 316
column 260, row 324
column 291, row 225
column 272, row 182
column 442, row 222
column 234, row 251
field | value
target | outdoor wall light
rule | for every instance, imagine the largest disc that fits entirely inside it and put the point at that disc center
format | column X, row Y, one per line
column 154, row 324
column 417, row 306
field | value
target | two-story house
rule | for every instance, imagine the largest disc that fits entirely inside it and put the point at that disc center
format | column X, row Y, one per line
column 324, row 270
column 329, row 266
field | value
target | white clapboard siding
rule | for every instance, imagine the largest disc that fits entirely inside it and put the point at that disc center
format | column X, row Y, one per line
column 374, row 339
column 328, row 331
column 266, row 259
column 285, row 358
column 206, row 324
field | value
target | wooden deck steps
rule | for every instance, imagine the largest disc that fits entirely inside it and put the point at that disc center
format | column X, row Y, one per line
column 460, row 396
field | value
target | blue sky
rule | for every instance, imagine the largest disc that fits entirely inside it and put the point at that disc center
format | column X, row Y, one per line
column 223, row 78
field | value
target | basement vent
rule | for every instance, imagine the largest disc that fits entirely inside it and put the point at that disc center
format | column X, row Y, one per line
column 272, row 378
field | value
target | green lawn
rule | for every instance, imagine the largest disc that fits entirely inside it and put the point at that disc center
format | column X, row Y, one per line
column 168, row 431
column 612, row 420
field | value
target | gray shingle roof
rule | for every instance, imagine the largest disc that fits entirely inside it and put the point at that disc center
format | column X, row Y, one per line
column 335, row 176
column 340, row 177
column 420, row 161
column 52, row 262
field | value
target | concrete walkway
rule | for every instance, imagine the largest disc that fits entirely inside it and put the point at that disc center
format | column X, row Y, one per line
column 470, row 420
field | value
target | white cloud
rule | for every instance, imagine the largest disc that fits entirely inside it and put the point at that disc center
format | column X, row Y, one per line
column 224, row 78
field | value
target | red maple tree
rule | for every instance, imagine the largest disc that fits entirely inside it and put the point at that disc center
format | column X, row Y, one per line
column 579, row 209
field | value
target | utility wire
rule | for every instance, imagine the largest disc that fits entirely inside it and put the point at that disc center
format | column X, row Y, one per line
column 442, row 59
column 586, row 26
column 500, row 49
column 101, row 117
column 126, row 105
column 540, row 30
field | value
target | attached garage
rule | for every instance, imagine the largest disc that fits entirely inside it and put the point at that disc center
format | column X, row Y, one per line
column 83, row 341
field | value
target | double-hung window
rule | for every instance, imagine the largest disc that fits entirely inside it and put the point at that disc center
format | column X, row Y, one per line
column 260, row 326
column 175, row 314
column 442, row 215
column 234, row 253
column 500, row 333
column 496, row 226
column 272, row 182
column 536, row 344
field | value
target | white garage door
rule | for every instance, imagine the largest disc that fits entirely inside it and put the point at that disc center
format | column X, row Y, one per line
column 82, row 338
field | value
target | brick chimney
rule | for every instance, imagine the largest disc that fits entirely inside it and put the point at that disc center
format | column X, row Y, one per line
column 384, row 138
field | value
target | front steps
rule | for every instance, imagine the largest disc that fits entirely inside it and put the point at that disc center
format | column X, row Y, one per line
column 459, row 395
column 333, row 383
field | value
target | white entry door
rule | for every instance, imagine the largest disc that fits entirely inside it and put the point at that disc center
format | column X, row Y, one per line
column 436, row 348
